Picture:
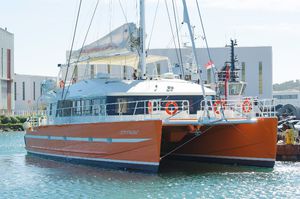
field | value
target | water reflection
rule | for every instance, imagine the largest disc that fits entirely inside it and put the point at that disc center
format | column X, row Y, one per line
column 167, row 167
column 25, row 176
column 70, row 169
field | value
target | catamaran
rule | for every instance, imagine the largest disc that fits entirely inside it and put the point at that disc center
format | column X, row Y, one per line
column 135, row 122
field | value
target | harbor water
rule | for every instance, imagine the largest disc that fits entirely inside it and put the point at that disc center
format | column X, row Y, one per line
column 24, row 176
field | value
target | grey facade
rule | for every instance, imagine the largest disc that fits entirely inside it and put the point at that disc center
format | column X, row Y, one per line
column 27, row 92
column 255, row 64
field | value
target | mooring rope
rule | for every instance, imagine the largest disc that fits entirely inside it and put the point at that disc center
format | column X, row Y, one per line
column 197, row 134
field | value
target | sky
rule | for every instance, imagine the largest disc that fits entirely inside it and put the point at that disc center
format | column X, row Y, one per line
column 43, row 29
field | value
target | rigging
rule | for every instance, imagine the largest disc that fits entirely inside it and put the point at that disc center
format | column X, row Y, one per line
column 69, row 59
column 82, row 47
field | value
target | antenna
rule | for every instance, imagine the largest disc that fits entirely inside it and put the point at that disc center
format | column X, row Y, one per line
column 233, row 58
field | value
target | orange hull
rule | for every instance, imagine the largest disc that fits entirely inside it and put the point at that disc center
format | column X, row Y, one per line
column 139, row 144
column 130, row 145
column 249, row 144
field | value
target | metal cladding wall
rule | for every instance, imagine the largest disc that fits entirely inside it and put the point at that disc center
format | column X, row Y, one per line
column 252, row 57
column 27, row 92
column 6, row 71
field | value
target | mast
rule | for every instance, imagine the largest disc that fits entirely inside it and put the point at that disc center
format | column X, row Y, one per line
column 142, row 60
column 232, row 61
column 187, row 20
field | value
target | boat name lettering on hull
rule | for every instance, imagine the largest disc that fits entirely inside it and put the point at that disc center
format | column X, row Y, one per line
column 129, row 132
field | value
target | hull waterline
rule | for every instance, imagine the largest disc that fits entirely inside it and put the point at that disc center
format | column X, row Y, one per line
column 245, row 144
column 123, row 145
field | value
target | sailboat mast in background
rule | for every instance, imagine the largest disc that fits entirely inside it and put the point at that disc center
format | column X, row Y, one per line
column 142, row 62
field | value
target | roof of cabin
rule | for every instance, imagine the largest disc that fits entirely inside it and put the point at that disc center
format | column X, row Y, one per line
column 110, row 87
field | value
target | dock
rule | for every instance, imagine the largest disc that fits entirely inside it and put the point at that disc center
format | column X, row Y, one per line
column 288, row 152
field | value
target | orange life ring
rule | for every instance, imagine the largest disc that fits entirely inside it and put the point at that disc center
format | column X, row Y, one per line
column 170, row 111
column 247, row 106
column 218, row 103
column 150, row 107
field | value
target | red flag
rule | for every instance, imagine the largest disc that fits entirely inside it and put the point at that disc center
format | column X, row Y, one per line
column 209, row 64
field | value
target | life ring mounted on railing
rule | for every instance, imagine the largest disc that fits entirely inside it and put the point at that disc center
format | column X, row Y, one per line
column 218, row 104
column 171, row 108
column 247, row 106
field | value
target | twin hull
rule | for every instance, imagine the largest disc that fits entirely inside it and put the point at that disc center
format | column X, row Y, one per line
column 139, row 145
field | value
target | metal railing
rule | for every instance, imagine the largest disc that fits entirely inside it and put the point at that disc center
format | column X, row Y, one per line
column 132, row 110
column 235, row 109
column 166, row 110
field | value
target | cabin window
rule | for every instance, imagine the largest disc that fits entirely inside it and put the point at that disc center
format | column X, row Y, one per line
column 87, row 107
column 98, row 106
column 235, row 89
column 77, row 107
column 64, row 108
column 121, row 106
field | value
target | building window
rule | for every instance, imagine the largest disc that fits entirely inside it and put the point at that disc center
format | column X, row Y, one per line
column 158, row 69
column 23, row 90
column 260, row 78
column 108, row 68
column 2, row 63
column 34, row 91
column 209, row 75
column 8, row 63
column 75, row 79
column 124, row 72
column 92, row 71
column 243, row 71
column 286, row 96
column 15, row 90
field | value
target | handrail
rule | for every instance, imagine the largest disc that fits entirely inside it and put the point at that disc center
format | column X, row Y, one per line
column 122, row 108
column 244, row 108
column 166, row 110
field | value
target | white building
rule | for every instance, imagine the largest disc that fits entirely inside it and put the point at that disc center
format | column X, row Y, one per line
column 255, row 64
column 27, row 91
column 287, row 97
column 6, row 71
column 116, row 68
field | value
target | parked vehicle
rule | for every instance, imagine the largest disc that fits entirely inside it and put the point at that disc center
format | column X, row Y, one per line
column 294, row 123
column 297, row 126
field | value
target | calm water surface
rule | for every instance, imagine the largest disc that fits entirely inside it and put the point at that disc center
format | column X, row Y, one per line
column 24, row 176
